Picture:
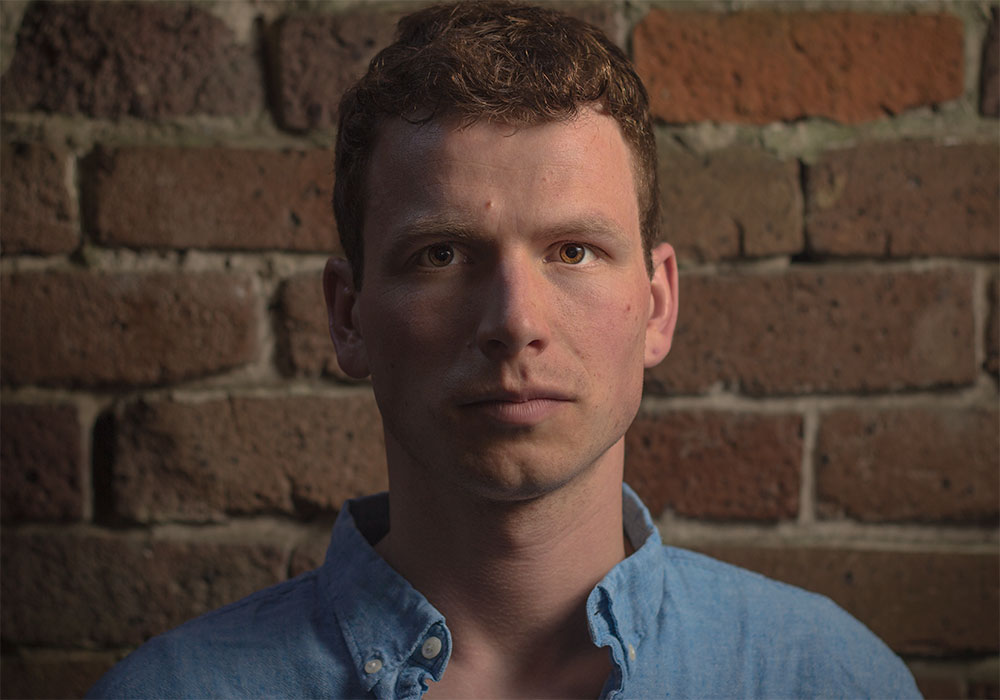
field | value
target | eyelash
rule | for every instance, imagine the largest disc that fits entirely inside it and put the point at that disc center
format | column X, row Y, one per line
column 424, row 258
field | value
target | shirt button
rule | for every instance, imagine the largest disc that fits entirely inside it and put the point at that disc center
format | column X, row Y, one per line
column 631, row 652
column 431, row 648
column 373, row 666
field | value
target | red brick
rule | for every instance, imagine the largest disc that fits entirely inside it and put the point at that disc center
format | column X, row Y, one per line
column 922, row 603
column 317, row 57
column 892, row 464
column 149, row 60
column 41, row 462
column 816, row 330
column 738, row 202
column 761, row 66
column 82, row 589
column 213, row 198
column 903, row 199
column 38, row 213
column 70, row 327
column 204, row 460
column 53, row 674
column 989, row 98
column 716, row 465
column 992, row 363
column 306, row 347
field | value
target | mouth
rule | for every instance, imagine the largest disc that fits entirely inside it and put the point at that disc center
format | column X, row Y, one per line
column 525, row 408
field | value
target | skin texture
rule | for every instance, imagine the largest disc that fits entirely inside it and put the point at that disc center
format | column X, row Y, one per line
column 505, row 319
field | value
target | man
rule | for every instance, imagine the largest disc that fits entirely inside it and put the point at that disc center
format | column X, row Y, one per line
column 496, row 199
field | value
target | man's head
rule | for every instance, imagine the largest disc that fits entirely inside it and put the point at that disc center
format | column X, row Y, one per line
column 495, row 62
column 511, row 297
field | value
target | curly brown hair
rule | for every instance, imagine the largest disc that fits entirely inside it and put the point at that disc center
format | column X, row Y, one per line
column 490, row 60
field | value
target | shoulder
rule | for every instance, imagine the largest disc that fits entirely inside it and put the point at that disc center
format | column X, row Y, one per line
column 795, row 641
column 231, row 651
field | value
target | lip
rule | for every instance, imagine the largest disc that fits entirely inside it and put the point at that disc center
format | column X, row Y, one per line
column 517, row 408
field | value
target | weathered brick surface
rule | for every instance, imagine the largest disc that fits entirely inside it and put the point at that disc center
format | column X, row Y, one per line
column 41, row 462
column 37, row 213
column 905, row 198
column 716, row 465
column 909, row 464
column 311, row 551
column 53, row 674
column 829, row 330
column 730, row 203
column 992, row 363
column 99, row 329
column 922, row 603
column 759, row 67
column 306, row 346
column 149, row 60
column 317, row 57
column 212, row 198
column 72, row 589
column 989, row 99
column 203, row 460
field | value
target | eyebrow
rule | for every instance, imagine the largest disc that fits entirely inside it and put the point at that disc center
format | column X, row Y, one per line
column 458, row 228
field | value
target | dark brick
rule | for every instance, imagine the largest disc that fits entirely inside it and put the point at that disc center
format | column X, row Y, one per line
column 213, row 198
column 53, row 674
column 903, row 199
column 305, row 342
column 204, row 460
column 985, row 690
column 738, row 202
column 82, row 589
column 934, row 687
column 922, row 603
column 41, row 462
column 992, row 363
column 71, row 327
column 762, row 66
column 897, row 464
column 831, row 330
column 149, row 60
column 989, row 98
column 317, row 57
column 716, row 465
column 37, row 211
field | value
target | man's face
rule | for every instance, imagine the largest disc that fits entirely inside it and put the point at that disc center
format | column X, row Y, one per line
column 506, row 301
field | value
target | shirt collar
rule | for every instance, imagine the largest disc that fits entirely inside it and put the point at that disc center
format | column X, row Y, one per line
column 620, row 608
column 384, row 620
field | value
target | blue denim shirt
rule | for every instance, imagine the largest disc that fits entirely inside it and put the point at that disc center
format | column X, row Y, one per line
column 677, row 624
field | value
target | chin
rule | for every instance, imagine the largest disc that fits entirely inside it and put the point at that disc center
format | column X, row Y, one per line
column 512, row 479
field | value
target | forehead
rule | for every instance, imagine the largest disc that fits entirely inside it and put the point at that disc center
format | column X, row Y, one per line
column 577, row 167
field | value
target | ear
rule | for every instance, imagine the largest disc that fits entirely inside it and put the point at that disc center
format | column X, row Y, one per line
column 343, row 314
column 662, row 304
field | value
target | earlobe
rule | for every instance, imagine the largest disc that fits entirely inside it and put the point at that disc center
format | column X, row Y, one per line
column 662, row 304
column 341, row 309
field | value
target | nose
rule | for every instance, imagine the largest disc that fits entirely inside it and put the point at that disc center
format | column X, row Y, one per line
column 513, row 311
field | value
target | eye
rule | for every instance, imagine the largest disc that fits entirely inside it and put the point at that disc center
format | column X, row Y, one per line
column 573, row 253
column 437, row 255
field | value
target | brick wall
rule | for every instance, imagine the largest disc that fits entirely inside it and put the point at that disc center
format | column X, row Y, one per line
column 176, row 432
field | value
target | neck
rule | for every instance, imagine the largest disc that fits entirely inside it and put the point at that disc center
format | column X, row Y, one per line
column 512, row 579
